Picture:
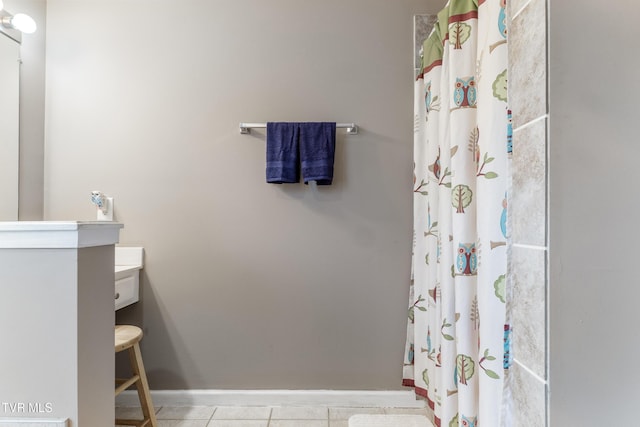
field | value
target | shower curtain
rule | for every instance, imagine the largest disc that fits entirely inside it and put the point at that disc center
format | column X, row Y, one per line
column 457, row 351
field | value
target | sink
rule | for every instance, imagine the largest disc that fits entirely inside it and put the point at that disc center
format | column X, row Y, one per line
column 129, row 261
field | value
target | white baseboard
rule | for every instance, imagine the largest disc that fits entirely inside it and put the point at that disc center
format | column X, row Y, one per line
column 340, row 398
column 32, row 422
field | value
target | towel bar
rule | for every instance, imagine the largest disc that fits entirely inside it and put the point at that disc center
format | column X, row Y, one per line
column 352, row 128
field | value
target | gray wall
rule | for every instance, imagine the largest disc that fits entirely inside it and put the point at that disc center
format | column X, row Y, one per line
column 594, row 209
column 573, row 171
column 156, row 109
column 246, row 285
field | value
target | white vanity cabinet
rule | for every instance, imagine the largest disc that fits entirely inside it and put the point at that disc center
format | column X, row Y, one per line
column 56, row 321
column 129, row 262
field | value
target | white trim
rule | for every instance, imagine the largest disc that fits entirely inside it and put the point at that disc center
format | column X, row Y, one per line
column 515, row 15
column 58, row 234
column 533, row 374
column 524, row 246
column 531, row 123
column 341, row 398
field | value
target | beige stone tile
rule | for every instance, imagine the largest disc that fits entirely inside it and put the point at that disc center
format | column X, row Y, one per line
column 528, row 312
column 182, row 423
column 514, row 6
column 299, row 423
column 338, row 423
column 422, row 25
column 300, row 413
column 242, row 413
column 345, row 413
column 527, row 75
column 131, row 412
column 32, row 423
column 185, row 412
column 527, row 201
column 238, row 423
column 529, row 398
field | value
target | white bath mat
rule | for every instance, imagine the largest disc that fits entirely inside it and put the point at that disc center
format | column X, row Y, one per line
column 362, row 420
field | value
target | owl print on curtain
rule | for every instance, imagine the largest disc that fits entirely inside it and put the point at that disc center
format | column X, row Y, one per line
column 458, row 340
column 464, row 95
column 468, row 422
column 467, row 261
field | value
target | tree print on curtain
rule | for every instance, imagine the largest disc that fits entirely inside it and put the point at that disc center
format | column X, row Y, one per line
column 457, row 351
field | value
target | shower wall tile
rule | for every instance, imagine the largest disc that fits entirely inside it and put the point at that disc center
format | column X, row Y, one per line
column 528, row 312
column 529, row 398
column 529, row 185
column 514, row 6
column 527, row 259
column 528, row 64
column 422, row 26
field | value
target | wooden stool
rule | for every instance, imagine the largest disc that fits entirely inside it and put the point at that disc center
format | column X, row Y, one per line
column 127, row 337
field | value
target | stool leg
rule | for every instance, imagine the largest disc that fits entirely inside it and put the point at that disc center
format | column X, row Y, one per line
column 142, row 385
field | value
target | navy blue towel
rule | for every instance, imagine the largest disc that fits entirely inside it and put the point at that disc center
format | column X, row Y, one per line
column 283, row 163
column 317, row 151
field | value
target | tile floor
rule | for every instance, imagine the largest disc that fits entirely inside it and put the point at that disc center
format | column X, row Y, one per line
column 259, row 416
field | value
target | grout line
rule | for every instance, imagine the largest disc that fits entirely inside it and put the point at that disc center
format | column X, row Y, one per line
column 523, row 246
column 215, row 408
column 531, row 123
column 533, row 374
column 515, row 15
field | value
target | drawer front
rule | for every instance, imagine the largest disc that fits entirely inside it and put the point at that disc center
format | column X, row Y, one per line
column 126, row 291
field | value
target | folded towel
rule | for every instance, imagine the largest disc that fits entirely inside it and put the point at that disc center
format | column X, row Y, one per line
column 283, row 164
column 317, row 151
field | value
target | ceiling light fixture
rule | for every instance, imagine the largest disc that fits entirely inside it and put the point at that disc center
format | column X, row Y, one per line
column 20, row 21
